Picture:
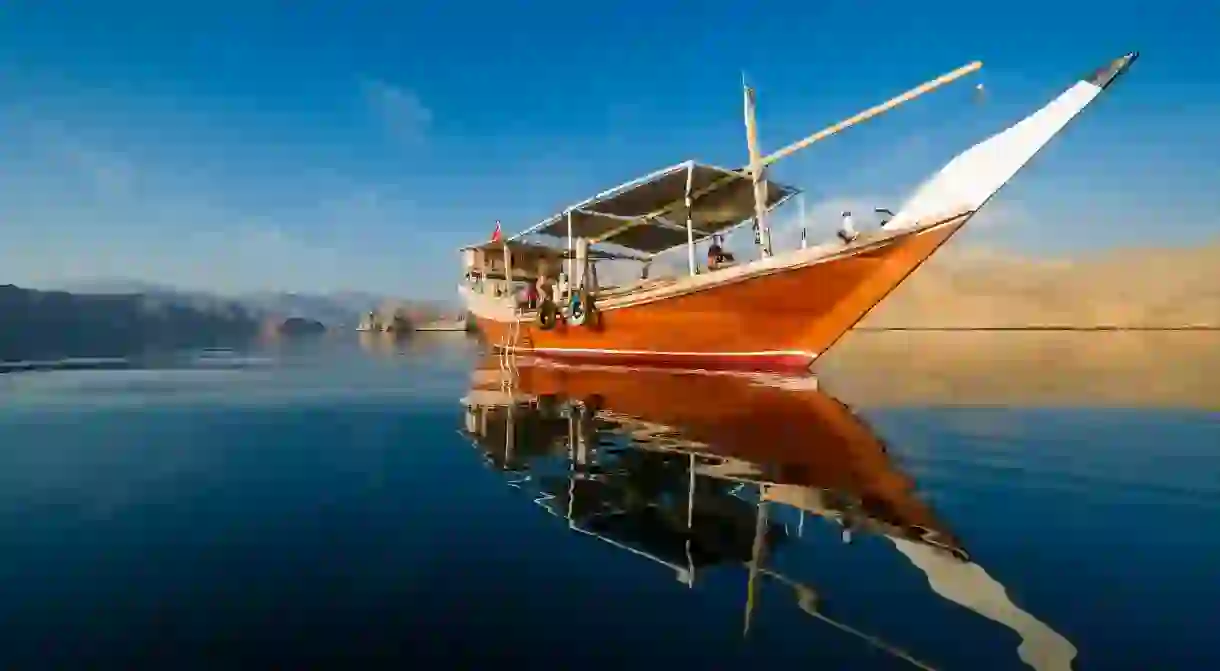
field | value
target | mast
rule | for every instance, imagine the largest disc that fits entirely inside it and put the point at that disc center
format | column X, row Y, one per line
column 756, row 169
column 920, row 90
column 692, row 268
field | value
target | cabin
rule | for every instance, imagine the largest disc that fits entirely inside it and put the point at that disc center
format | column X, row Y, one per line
column 679, row 207
column 505, row 268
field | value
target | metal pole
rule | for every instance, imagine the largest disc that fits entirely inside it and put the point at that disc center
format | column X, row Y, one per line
column 571, row 265
column 690, row 521
column 756, row 555
column 871, row 112
column 571, row 467
column 508, row 270
column 756, row 170
column 690, row 223
column 800, row 203
column 510, row 437
column 690, row 495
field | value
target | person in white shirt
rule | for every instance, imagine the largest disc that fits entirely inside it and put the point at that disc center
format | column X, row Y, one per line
column 847, row 231
column 561, row 288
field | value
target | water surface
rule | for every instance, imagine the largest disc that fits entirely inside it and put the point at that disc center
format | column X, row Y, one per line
column 419, row 503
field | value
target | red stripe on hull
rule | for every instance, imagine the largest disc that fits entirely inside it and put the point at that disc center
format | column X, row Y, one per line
column 777, row 362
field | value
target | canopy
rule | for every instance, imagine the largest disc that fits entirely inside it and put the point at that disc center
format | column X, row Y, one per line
column 528, row 260
column 649, row 214
column 526, row 253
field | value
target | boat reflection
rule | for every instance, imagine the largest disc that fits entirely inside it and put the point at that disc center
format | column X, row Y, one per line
column 692, row 470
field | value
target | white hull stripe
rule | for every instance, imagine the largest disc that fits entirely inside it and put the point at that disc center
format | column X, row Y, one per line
column 789, row 381
column 646, row 352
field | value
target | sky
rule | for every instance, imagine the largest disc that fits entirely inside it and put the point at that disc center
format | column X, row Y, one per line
column 319, row 146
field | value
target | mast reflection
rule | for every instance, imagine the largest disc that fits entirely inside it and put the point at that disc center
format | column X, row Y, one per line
column 690, row 470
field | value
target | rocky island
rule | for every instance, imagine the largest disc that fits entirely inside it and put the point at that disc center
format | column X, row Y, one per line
column 299, row 326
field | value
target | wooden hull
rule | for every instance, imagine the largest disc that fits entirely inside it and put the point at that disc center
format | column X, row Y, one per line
column 774, row 315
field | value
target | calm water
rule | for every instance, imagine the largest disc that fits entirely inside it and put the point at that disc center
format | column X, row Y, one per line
column 285, row 509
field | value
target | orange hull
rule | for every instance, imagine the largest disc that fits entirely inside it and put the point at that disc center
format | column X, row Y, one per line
column 800, row 437
column 780, row 318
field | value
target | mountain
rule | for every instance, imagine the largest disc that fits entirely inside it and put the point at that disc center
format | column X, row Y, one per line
column 56, row 324
column 161, row 293
column 113, row 285
column 337, row 310
column 1134, row 288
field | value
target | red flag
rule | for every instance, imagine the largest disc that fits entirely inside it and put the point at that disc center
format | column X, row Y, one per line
column 496, row 235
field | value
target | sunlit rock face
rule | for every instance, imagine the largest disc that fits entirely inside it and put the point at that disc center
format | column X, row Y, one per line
column 1137, row 288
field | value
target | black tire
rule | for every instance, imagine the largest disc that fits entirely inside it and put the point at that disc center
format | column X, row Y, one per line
column 548, row 315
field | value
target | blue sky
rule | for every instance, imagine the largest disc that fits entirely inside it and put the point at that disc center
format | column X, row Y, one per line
column 315, row 146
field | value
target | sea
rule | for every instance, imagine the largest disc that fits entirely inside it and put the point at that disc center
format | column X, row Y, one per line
column 928, row 500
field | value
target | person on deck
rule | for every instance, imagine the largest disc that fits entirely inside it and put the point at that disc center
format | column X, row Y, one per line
column 531, row 295
column 717, row 258
column 546, row 288
column 542, row 284
column 847, row 231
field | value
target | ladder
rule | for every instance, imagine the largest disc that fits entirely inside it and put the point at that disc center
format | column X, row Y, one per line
column 508, row 346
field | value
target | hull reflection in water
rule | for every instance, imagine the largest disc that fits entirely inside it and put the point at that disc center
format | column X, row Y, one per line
column 686, row 468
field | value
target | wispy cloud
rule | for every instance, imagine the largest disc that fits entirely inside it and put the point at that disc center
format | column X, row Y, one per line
column 399, row 110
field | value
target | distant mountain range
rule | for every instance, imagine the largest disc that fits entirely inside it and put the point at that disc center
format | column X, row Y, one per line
column 119, row 317
column 55, row 324
column 337, row 310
